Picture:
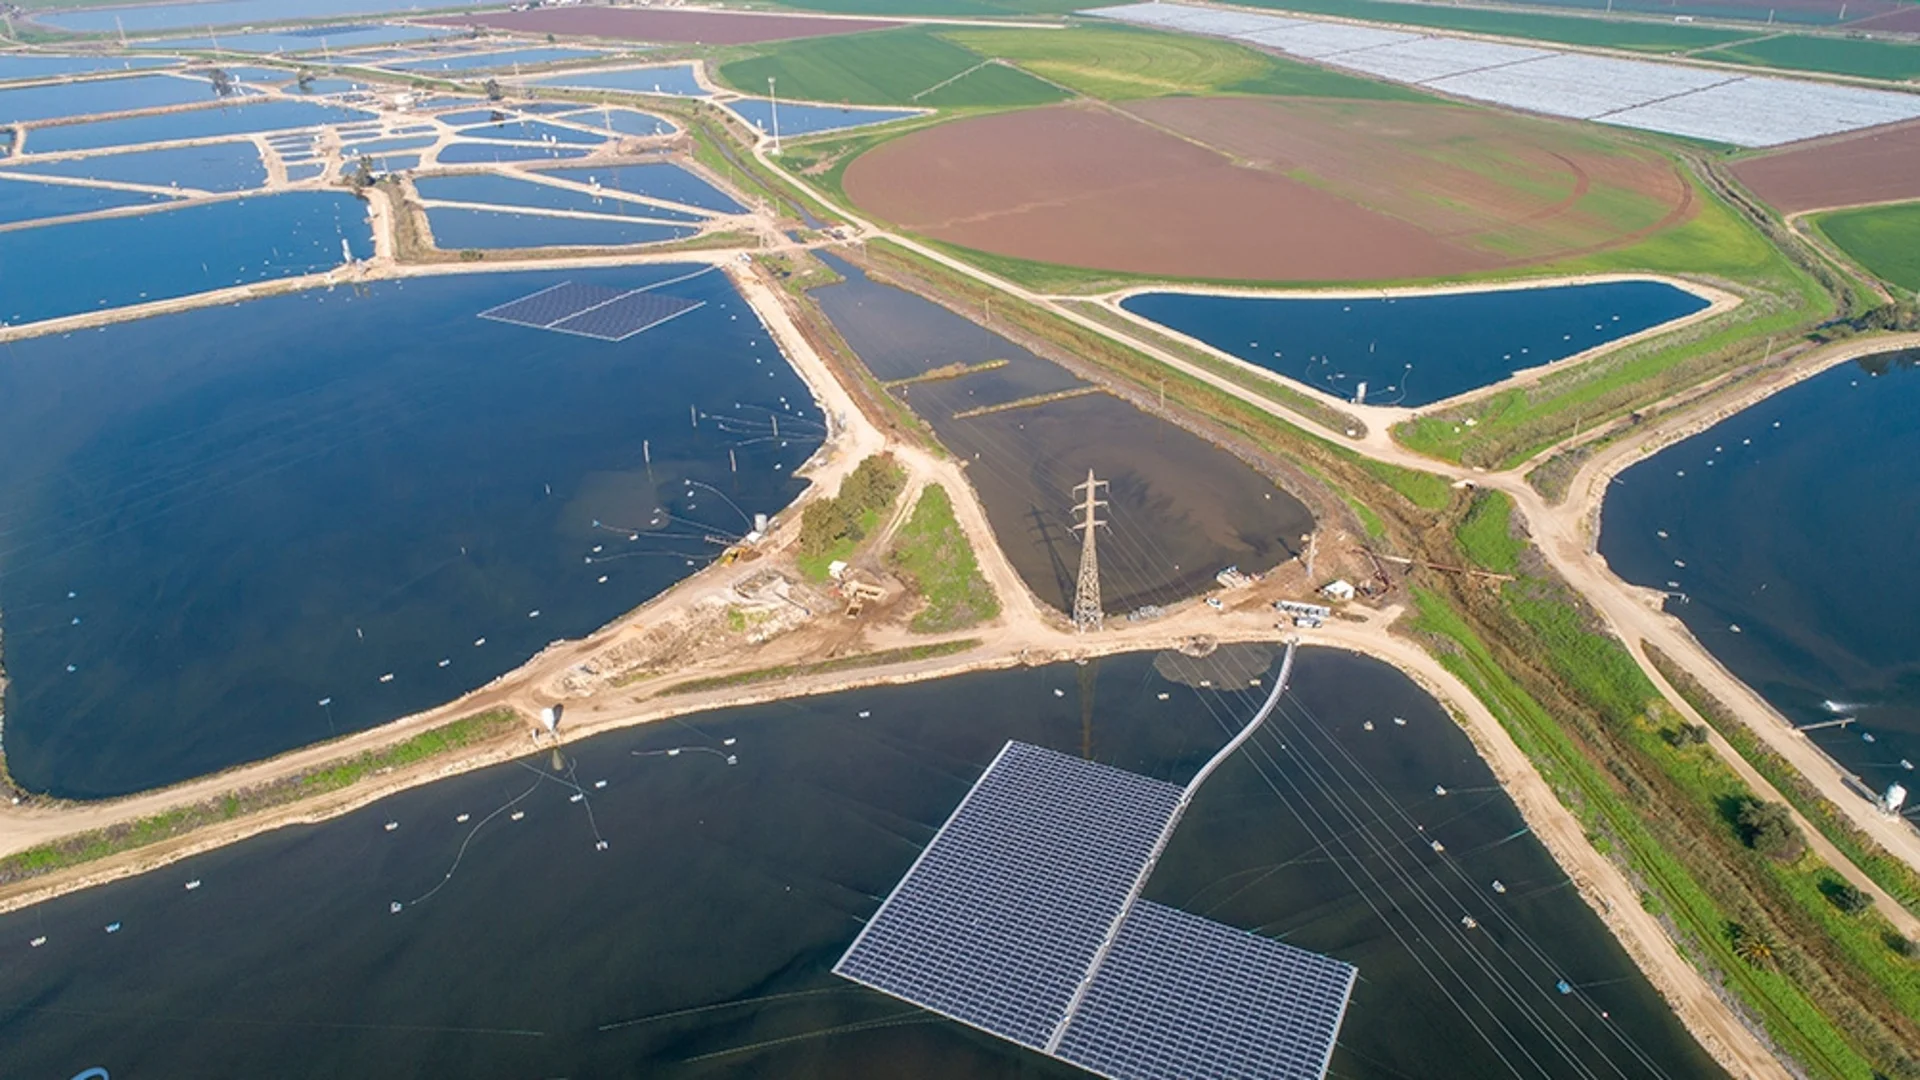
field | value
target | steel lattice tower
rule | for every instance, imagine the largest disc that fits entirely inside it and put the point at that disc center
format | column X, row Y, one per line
column 1086, row 591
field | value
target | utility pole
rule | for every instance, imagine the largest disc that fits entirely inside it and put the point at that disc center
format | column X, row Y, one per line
column 773, row 104
column 1086, row 590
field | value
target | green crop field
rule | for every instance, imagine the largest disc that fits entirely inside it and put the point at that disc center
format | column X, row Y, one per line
column 894, row 67
column 1561, row 29
column 1884, row 239
column 941, row 8
column 1839, row 56
column 1118, row 63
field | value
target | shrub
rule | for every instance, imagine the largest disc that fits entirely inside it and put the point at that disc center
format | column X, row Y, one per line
column 1768, row 829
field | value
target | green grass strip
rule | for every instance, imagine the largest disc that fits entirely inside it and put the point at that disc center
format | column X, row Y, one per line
column 906, row 655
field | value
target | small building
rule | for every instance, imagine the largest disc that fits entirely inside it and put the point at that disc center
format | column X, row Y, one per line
column 1337, row 590
column 1894, row 799
column 1300, row 610
column 837, row 569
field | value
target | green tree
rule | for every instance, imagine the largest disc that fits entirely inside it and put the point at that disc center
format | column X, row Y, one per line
column 1756, row 947
column 494, row 90
column 1768, row 829
column 822, row 524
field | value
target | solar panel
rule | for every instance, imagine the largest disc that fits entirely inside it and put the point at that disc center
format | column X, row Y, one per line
column 999, row 920
column 626, row 315
column 1180, row 997
column 594, row 311
column 1022, row 918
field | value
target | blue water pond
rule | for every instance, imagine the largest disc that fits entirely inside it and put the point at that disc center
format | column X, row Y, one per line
column 56, row 270
column 456, row 229
column 1415, row 350
column 26, row 200
column 508, row 191
column 237, row 119
column 678, row 80
column 801, row 119
column 213, row 167
column 662, row 181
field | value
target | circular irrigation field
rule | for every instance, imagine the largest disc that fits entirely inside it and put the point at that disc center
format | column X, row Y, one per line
column 1272, row 189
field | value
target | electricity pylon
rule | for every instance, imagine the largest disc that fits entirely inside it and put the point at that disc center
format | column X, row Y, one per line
column 1086, row 590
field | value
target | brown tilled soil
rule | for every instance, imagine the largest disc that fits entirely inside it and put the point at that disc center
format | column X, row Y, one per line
column 665, row 25
column 1903, row 20
column 1879, row 166
column 1511, row 186
column 1085, row 186
column 1271, row 190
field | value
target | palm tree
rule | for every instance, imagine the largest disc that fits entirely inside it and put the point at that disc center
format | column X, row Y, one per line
column 1756, row 947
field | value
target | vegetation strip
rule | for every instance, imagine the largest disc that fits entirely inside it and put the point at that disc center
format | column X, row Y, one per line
column 904, row 655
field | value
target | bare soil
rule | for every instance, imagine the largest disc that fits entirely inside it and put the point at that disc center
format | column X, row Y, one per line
column 1882, row 165
column 665, row 25
column 1252, row 188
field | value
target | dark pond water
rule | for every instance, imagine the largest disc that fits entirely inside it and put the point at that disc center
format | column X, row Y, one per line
column 798, row 119
column 213, row 521
column 495, row 190
column 24, row 200
column 313, row 39
column 34, row 66
column 1180, row 509
column 495, row 60
column 661, row 181
column 241, row 119
column 55, row 270
column 1795, row 521
column 533, row 131
column 456, row 229
column 1415, row 350
column 624, row 122
column 217, row 167
column 471, row 153
column 678, row 80
column 52, row 100
column 699, row 943
column 204, row 13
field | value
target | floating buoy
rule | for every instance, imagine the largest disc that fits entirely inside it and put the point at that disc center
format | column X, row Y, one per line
column 1469, row 922
column 194, row 884
column 603, row 579
column 393, row 908
column 37, row 942
column 392, row 825
column 517, row 815
column 477, row 642
column 1366, row 725
column 1661, row 533
column 728, row 741
column 461, row 819
column 1399, row 721
column 864, row 713
column 1439, row 789
column 600, row 845
column 576, row 796
column 732, row 760
column 113, row 928
column 1059, row 693
column 1437, row 846
column 388, row 677
column 534, row 614
column 1164, row 695
column 1499, row 886
column 598, row 784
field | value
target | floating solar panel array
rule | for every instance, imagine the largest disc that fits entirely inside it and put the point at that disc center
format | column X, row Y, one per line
column 594, row 311
column 1676, row 99
column 1022, row 918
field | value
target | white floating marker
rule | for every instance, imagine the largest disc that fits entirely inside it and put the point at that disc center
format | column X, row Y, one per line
column 388, row 677
column 113, row 928
column 462, row 819
column 534, row 614
column 479, row 641
column 598, row 784
column 576, row 796
column 1059, row 693
column 1499, row 886
column 194, row 884
column 1366, row 725
column 1439, row 789
column 864, row 713
column 728, row 741
column 600, row 846
column 603, row 579
column 392, row 825
column 1399, row 721
column 393, row 908
column 517, row 815
column 37, row 942
column 444, row 662
column 675, row 752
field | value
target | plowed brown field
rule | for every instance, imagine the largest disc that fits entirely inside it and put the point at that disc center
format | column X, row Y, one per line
column 665, row 24
column 1264, row 189
column 1881, row 166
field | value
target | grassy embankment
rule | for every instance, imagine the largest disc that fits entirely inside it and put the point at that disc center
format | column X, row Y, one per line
column 1835, row 992
column 832, row 529
column 1587, row 717
column 931, row 549
column 1883, row 239
column 90, row 846
column 906, row 655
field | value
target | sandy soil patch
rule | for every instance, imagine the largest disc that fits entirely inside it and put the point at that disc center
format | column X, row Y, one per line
column 1882, row 165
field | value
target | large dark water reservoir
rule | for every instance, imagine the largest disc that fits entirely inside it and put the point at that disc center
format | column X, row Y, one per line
column 1415, row 350
column 1180, row 509
column 699, row 943
column 213, row 522
column 1795, row 521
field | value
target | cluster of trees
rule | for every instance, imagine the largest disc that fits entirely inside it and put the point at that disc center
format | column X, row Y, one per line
column 872, row 486
column 1768, row 829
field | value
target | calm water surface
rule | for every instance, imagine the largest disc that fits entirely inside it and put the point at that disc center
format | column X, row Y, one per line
column 1415, row 350
column 24, row 200
column 662, row 181
column 34, row 66
column 226, row 12
column 217, row 167
column 1795, row 520
column 678, row 80
column 799, row 119
column 214, row 521
column 1180, row 509
column 456, row 229
column 699, row 943
column 470, row 153
column 55, row 270
column 316, row 39
column 100, row 96
column 236, row 119
column 509, row 191
column 507, row 59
